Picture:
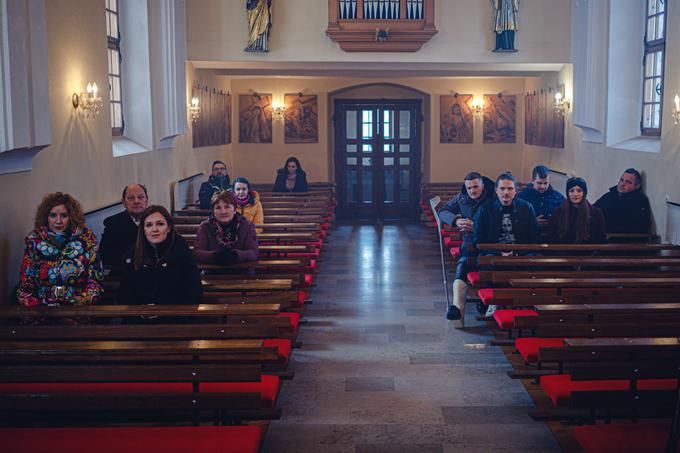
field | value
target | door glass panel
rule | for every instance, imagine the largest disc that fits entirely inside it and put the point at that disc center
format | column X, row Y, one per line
column 367, row 124
column 388, row 124
column 368, row 161
column 404, row 148
column 351, row 161
column 351, row 148
column 387, row 161
column 368, row 186
column 389, row 186
column 403, row 185
column 367, row 148
column 405, row 124
column 404, row 161
column 351, row 121
column 351, row 186
column 388, row 148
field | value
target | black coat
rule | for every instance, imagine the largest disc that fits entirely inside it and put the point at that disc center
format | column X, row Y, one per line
column 209, row 188
column 173, row 280
column 282, row 175
column 489, row 222
column 626, row 213
column 119, row 237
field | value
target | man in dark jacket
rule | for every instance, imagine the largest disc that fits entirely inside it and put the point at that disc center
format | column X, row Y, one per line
column 505, row 220
column 120, row 230
column 625, row 208
column 217, row 182
column 459, row 212
column 541, row 195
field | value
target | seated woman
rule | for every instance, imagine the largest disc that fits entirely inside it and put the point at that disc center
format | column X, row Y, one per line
column 291, row 178
column 248, row 202
column 160, row 269
column 60, row 264
column 576, row 221
column 226, row 237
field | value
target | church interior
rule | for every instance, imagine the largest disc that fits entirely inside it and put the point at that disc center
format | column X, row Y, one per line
column 335, row 338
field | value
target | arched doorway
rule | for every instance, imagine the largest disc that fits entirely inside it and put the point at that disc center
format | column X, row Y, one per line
column 377, row 153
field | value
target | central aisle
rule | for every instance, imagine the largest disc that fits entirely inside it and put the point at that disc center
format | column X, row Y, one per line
column 382, row 370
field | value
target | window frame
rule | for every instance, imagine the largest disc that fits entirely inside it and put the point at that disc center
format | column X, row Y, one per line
column 113, row 43
column 651, row 47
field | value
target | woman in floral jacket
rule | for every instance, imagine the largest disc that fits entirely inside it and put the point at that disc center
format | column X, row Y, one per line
column 60, row 261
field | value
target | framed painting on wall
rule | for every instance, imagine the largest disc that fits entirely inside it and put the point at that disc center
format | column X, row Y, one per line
column 255, row 118
column 301, row 118
column 455, row 119
column 499, row 118
column 211, row 128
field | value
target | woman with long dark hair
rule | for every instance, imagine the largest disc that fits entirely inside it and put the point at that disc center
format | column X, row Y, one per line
column 291, row 178
column 576, row 221
column 160, row 269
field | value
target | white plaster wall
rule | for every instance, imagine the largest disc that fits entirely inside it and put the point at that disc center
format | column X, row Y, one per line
column 217, row 31
column 80, row 160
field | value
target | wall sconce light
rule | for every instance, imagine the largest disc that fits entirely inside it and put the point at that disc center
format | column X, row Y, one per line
column 194, row 109
column 89, row 102
column 278, row 110
column 477, row 106
column 676, row 109
column 561, row 104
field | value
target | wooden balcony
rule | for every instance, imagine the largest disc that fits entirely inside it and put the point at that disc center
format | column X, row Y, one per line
column 381, row 25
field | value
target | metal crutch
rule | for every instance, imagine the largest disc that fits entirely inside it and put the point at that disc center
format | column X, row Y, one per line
column 434, row 202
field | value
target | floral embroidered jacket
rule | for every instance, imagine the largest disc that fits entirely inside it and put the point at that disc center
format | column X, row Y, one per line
column 56, row 271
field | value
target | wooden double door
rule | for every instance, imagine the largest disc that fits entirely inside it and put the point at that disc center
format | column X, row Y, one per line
column 377, row 158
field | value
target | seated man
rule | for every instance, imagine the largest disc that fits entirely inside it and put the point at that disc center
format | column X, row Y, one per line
column 120, row 230
column 217, row 182
column 625, row 208
column 505, row 220
column 459, row 212
column 541, row 195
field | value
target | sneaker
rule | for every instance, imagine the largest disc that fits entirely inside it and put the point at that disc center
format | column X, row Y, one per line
column 453, row 313
column 490, row 311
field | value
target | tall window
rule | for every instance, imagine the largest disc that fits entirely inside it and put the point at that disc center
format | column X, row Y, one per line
column 113, row 36
column 653, row 63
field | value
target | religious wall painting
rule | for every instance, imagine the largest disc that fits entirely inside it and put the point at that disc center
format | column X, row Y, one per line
column 455, row 118
column 543, row 124
column 255, row 118
column 301, row 118
column 499, row 118
column 213, row 125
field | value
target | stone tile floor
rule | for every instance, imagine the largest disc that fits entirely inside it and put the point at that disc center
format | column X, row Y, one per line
column 382, row 370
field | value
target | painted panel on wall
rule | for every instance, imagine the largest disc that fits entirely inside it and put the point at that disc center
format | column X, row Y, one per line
column 455, row 119
column 544, row 127
column 213, row 126
column 499, row 118
column 255, row 118
column 301, row 118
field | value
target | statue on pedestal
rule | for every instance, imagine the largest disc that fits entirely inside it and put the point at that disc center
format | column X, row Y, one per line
column 259, row 25
column 505, row 24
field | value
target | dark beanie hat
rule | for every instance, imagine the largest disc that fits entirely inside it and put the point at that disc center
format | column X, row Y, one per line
column 571, row 182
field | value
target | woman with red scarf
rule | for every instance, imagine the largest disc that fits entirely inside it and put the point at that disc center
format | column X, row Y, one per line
column 226, row 237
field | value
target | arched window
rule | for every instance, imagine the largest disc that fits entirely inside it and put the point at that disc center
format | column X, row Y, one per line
column 113, row 37
column 653, row 67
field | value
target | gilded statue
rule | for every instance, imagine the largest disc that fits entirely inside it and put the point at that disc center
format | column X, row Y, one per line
column 505, row 24
column 259, row 25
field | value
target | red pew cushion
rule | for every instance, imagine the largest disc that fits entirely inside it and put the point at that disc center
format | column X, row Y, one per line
column 455, row 253
column 308, row 279
column 294, row 319
column 301, row 297
column 473, row 278
column 485, row 294
column 623, row 437
column 267, row 387
column 506, row 318
column 450, row 242
column 283, row 346
column 199, row 439
column 528, row 347
column 559, row 387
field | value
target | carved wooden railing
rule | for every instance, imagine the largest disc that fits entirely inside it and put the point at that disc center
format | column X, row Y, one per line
column 381, row 25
